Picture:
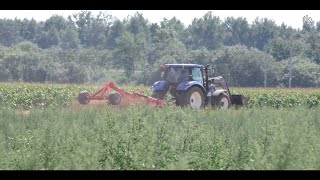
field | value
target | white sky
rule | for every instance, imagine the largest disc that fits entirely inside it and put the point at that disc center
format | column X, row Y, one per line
column 291, row 18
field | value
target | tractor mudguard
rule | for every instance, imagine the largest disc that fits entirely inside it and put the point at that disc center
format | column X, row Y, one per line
column 160, row 86
column 188, row 84
column 218, row 92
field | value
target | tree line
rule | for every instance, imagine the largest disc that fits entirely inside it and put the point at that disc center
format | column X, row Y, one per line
column 84, row 48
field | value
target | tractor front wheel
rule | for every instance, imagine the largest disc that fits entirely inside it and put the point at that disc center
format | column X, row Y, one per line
column 193, row 98
column 223, row 101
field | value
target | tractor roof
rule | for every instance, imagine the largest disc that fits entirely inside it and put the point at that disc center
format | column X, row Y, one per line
column 185, row 65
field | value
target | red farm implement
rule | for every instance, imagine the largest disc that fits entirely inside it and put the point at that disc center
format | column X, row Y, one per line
column 119, row 97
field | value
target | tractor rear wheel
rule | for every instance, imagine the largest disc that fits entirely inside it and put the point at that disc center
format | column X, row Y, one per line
column 83, row 97
column 193, row 98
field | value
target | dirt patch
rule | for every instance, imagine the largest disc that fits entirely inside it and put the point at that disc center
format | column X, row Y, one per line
column 91, row 105
column 24, row 112
column 125, row 103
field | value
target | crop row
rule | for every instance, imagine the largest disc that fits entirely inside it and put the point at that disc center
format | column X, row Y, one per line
column 27, row 96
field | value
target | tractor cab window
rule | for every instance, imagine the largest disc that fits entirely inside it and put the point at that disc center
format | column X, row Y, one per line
column 197, row 75
column 177, row 74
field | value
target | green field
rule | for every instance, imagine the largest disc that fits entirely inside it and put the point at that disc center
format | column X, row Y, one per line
column 168, row 138
column 27, row 96
column 279, row 129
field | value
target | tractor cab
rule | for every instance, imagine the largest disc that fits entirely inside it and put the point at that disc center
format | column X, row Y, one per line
column 176, row 73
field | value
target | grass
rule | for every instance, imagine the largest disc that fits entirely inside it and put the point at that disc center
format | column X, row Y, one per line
column 168, row 138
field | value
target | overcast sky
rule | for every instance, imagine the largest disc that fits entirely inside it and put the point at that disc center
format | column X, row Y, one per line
column 291, row 18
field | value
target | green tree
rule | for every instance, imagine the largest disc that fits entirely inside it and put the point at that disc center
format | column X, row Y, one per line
column 54, row 66
column 130, row 51
column 305, row 73
column 115, row 32
column 176, row 25
column 313, row 47
column 237, row 31
column 10, row 31
column 202, row 56
column 70, row 38
column 167, row 49
column 138, row 24
column 262, row 31
column 30, row 30
column 4, row 73
column 244, row 67
column 22, row 62
column 55, row 21
column 280, row 48
column 205, row 32
column 84, row 21
column 49, row 39
column 93, row 31
column 97, row 33
column 286, row 32
column 154, row 28
column 52, row 31
column 308, row 24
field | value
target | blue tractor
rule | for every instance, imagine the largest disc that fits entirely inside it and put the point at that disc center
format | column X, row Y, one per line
column 190, row 86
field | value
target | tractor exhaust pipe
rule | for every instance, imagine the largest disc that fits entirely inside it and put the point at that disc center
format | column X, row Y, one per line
column 207, row 77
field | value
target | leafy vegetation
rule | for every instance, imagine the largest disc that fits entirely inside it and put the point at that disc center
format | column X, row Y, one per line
column 169, row 138
column 280, row 98
column 28, row 96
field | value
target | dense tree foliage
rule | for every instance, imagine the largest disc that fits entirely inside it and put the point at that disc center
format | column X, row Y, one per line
column 84, row 48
